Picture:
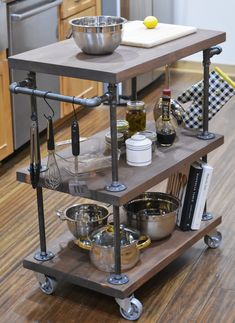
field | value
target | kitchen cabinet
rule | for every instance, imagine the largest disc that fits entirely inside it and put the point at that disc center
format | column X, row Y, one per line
column 73, row 265
column 73, row 86
column 72, row 7
column 6, row 136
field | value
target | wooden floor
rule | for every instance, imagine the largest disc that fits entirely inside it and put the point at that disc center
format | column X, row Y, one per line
column 198, row 287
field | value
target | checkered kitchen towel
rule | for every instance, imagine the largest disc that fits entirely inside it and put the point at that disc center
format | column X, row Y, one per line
column 221, row 89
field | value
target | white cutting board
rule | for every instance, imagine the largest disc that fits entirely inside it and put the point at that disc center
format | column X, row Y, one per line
column 136, row 34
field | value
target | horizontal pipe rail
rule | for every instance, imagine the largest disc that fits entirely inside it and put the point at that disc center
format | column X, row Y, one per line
column 93, row 102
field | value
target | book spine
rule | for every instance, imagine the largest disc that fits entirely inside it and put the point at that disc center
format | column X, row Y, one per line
column 194, row 180
column 182, row 197
column 202, row 196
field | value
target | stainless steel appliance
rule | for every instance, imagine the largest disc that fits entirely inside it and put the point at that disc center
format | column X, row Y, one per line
column 31, row 24
column 3, row 26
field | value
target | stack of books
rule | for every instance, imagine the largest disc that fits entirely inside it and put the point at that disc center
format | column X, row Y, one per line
column 194, row 196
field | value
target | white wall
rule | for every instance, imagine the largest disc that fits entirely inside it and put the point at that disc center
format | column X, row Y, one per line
column 209, row 14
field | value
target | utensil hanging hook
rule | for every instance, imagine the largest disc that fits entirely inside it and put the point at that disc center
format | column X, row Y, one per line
column 52, row 110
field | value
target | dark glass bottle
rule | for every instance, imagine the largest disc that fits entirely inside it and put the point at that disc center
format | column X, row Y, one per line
column 164, row 127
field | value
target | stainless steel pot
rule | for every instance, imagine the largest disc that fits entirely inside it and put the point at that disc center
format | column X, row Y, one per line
column 101, row 246
column 153, row 213
column 97, row 35
column 82, row 219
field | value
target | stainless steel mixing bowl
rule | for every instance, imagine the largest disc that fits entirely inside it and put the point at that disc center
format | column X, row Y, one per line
column 97, row 35
column 82, row 219
column 153, row 214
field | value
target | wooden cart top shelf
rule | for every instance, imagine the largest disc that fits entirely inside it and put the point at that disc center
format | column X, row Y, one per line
column 64, row 58
column 166, row 161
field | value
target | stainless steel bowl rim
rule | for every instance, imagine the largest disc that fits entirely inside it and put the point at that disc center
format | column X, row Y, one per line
column 149, row 196
column 72, row 22
column 86, row 204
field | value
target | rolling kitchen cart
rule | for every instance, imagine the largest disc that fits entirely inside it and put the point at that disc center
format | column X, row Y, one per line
column 62, row 260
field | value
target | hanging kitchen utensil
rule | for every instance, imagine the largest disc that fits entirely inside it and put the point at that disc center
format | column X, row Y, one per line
column 34, row 153
column 76, row 186
column 52, row 175
column 75, row 139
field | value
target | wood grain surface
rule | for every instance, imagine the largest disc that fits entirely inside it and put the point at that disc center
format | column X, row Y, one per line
column 198, row 286
column 165, row 161
column 66, row 59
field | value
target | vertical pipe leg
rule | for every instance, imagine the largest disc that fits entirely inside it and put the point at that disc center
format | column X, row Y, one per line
column 207, row 54
column 134, row 89
column 205, row 134
column 117, row 278
column 43, row 254
column 115, row 186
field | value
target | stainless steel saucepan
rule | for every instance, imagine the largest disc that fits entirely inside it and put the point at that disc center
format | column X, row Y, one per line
column 101, row 247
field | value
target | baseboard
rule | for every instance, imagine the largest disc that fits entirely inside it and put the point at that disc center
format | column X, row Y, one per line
column 196, row 67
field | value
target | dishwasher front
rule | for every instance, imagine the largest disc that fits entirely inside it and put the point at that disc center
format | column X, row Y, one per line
column 31, row 24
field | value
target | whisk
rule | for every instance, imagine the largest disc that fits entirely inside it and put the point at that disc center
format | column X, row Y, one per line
column 52, row 176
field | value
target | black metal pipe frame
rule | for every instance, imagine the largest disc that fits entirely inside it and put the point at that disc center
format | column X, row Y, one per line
column 207, row 54
column 115, row 186
column 31, row 81
column 134, row 89
column 22, row 87
column 43, row 254
column 205, row 134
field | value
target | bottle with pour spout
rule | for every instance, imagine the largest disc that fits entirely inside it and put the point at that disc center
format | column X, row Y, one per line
column 165, row 129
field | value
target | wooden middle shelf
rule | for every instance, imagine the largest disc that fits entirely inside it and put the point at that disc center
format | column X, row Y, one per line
column 73, row 265
column 167, row 161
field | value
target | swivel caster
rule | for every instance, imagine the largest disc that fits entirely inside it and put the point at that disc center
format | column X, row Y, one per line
column 130, row 308
column 213, row 241
column 46, row 284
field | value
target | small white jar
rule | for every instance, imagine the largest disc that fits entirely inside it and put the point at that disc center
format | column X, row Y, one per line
column 138, row 150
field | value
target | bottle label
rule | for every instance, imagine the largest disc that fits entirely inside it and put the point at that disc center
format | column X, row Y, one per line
column 165, row 110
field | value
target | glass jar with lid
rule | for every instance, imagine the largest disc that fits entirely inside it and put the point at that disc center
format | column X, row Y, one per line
column 136, row 116
column 123, row 127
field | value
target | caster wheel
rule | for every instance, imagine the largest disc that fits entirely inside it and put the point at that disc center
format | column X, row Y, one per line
column 213, row 242
column 134, row 311
column 47, row 284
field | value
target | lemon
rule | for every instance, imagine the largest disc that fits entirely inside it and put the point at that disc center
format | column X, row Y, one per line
column 150, row 22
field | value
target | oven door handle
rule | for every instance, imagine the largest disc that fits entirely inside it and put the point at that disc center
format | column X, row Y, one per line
column 30, row 13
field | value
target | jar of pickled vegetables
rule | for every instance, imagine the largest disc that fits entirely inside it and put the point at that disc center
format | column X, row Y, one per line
column 136, row 116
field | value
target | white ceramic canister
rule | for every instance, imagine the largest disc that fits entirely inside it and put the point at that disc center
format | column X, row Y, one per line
column 138, row 150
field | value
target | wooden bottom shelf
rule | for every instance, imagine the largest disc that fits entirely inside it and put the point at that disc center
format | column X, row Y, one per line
column 73, row 265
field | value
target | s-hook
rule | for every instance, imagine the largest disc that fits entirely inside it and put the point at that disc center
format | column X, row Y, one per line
column 52, row 110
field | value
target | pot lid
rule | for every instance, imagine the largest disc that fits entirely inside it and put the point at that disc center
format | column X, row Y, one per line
column 105, row 236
